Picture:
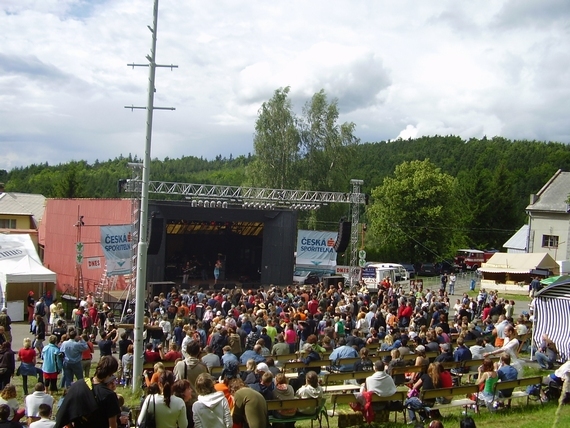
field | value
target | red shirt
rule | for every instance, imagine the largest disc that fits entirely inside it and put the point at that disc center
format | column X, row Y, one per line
column 151, row 356
column 445, row 379
column 172, row 356
column 27, row 355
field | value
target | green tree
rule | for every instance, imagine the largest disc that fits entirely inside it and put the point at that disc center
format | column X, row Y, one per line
column 415, row 214
column 276, row 144
column 328, row 147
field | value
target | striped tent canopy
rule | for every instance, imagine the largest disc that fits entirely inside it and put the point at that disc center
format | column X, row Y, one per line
column 552, row 316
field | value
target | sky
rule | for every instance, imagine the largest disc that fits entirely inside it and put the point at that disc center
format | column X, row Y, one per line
column 398, row 69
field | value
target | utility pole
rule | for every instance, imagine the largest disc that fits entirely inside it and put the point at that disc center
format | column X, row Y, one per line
column 138, row 361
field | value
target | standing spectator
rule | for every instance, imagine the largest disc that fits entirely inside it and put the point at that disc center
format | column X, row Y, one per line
column 452, row 280
column 6, row 322
column 443, row 280
column 249, row 406
column 73, row 350
column 31, row 308
column 127, row 366
column 40, row 332
column 7, row 364
column 52, row 363
column 169, row 410
column 210, row 359
column 212, row 409
column 106, row 343
column 87, row 355
column 100, row 402
column 27, row 357
column 33, row 401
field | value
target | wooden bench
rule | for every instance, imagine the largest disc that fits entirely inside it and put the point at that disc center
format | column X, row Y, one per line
column 331, row 378
column 400, row 370
column 217, row 371
column 512, row 384
column 299, row 403
column 399, row 396
column 294, row 365
column 168, row 365
column 465, row 392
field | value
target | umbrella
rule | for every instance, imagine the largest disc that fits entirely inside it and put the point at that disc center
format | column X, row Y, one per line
column 554, row 280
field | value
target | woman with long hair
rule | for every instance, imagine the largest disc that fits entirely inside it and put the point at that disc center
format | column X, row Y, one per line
column 27, row 357
column 9, row 396
column 211, row 410
column 168, row 410
column 429, row 380
column 182, row 389
column 487, row 379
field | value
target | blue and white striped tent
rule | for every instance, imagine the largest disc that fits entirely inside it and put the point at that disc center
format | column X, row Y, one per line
column 552, row 316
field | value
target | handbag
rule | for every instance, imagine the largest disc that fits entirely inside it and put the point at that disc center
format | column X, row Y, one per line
column 149, row 419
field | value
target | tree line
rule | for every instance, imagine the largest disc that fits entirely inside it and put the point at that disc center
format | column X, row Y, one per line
column 428, row 196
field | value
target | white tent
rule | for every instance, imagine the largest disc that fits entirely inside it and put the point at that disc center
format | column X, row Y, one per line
column 21, row 269
column 552, row 316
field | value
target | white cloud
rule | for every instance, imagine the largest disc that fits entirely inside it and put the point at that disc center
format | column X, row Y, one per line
column 398, row 69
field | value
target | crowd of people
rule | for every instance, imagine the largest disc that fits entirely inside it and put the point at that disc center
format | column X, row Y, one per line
column 247, row 334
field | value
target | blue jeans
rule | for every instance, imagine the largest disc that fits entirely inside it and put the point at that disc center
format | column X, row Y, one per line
column 543, row 361
column 70, row 370
column 413, row 405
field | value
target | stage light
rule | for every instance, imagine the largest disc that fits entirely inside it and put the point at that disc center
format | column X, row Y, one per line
column 224, row 205
column 200, row 203
column 206, row 204
column 219, row 204
column 194, row 204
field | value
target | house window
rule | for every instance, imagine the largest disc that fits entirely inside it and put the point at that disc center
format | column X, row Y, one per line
column 549, row 241
column 7, row 223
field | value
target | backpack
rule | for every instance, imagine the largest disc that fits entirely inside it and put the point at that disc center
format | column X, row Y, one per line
column 340, row 328
column 251, row 339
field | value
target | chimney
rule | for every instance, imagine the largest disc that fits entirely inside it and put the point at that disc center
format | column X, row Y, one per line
column 1, row 188
column 533, row 198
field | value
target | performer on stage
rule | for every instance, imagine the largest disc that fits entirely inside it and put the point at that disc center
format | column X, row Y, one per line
column 217, row 267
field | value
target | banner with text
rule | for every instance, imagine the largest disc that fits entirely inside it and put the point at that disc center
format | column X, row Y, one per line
column 315, row 249
column 117, row 248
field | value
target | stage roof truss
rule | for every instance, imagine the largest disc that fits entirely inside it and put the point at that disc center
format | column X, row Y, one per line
column 239, row 194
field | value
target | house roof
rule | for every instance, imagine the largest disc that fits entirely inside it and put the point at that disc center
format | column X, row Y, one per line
column 23, row 204
column 521, row 263
column 553, row 195
column 519, row 240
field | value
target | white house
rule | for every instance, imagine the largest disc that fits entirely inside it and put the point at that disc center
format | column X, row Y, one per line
column 549, row 220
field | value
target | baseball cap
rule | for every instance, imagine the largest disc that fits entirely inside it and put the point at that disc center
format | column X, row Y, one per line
column 262, row 367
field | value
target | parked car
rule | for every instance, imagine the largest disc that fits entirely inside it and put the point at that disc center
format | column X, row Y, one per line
column 427, row 269
column 411, row 270
column 306, row 277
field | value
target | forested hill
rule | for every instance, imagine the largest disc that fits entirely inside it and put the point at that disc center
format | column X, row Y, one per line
column 495, row 176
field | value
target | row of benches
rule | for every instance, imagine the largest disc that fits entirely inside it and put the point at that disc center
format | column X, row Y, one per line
column 462, row 396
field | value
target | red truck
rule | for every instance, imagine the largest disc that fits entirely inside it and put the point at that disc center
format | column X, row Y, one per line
column 470, row 259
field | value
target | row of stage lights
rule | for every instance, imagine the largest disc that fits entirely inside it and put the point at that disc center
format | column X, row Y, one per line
column 208, row 204
column 305, row 207
column 253, row 205
column 259, row 205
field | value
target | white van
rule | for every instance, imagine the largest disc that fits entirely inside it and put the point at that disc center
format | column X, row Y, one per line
column 373, row 274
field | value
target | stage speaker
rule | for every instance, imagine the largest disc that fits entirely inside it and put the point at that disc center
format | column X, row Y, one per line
column 155, row 240
column 343, row 237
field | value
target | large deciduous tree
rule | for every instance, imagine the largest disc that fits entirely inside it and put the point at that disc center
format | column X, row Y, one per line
column 326, row 145
column 276, row 143
column 415, row 214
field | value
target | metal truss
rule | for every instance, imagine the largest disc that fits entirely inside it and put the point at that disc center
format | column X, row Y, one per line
column 241, row 194
column 355, row 202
